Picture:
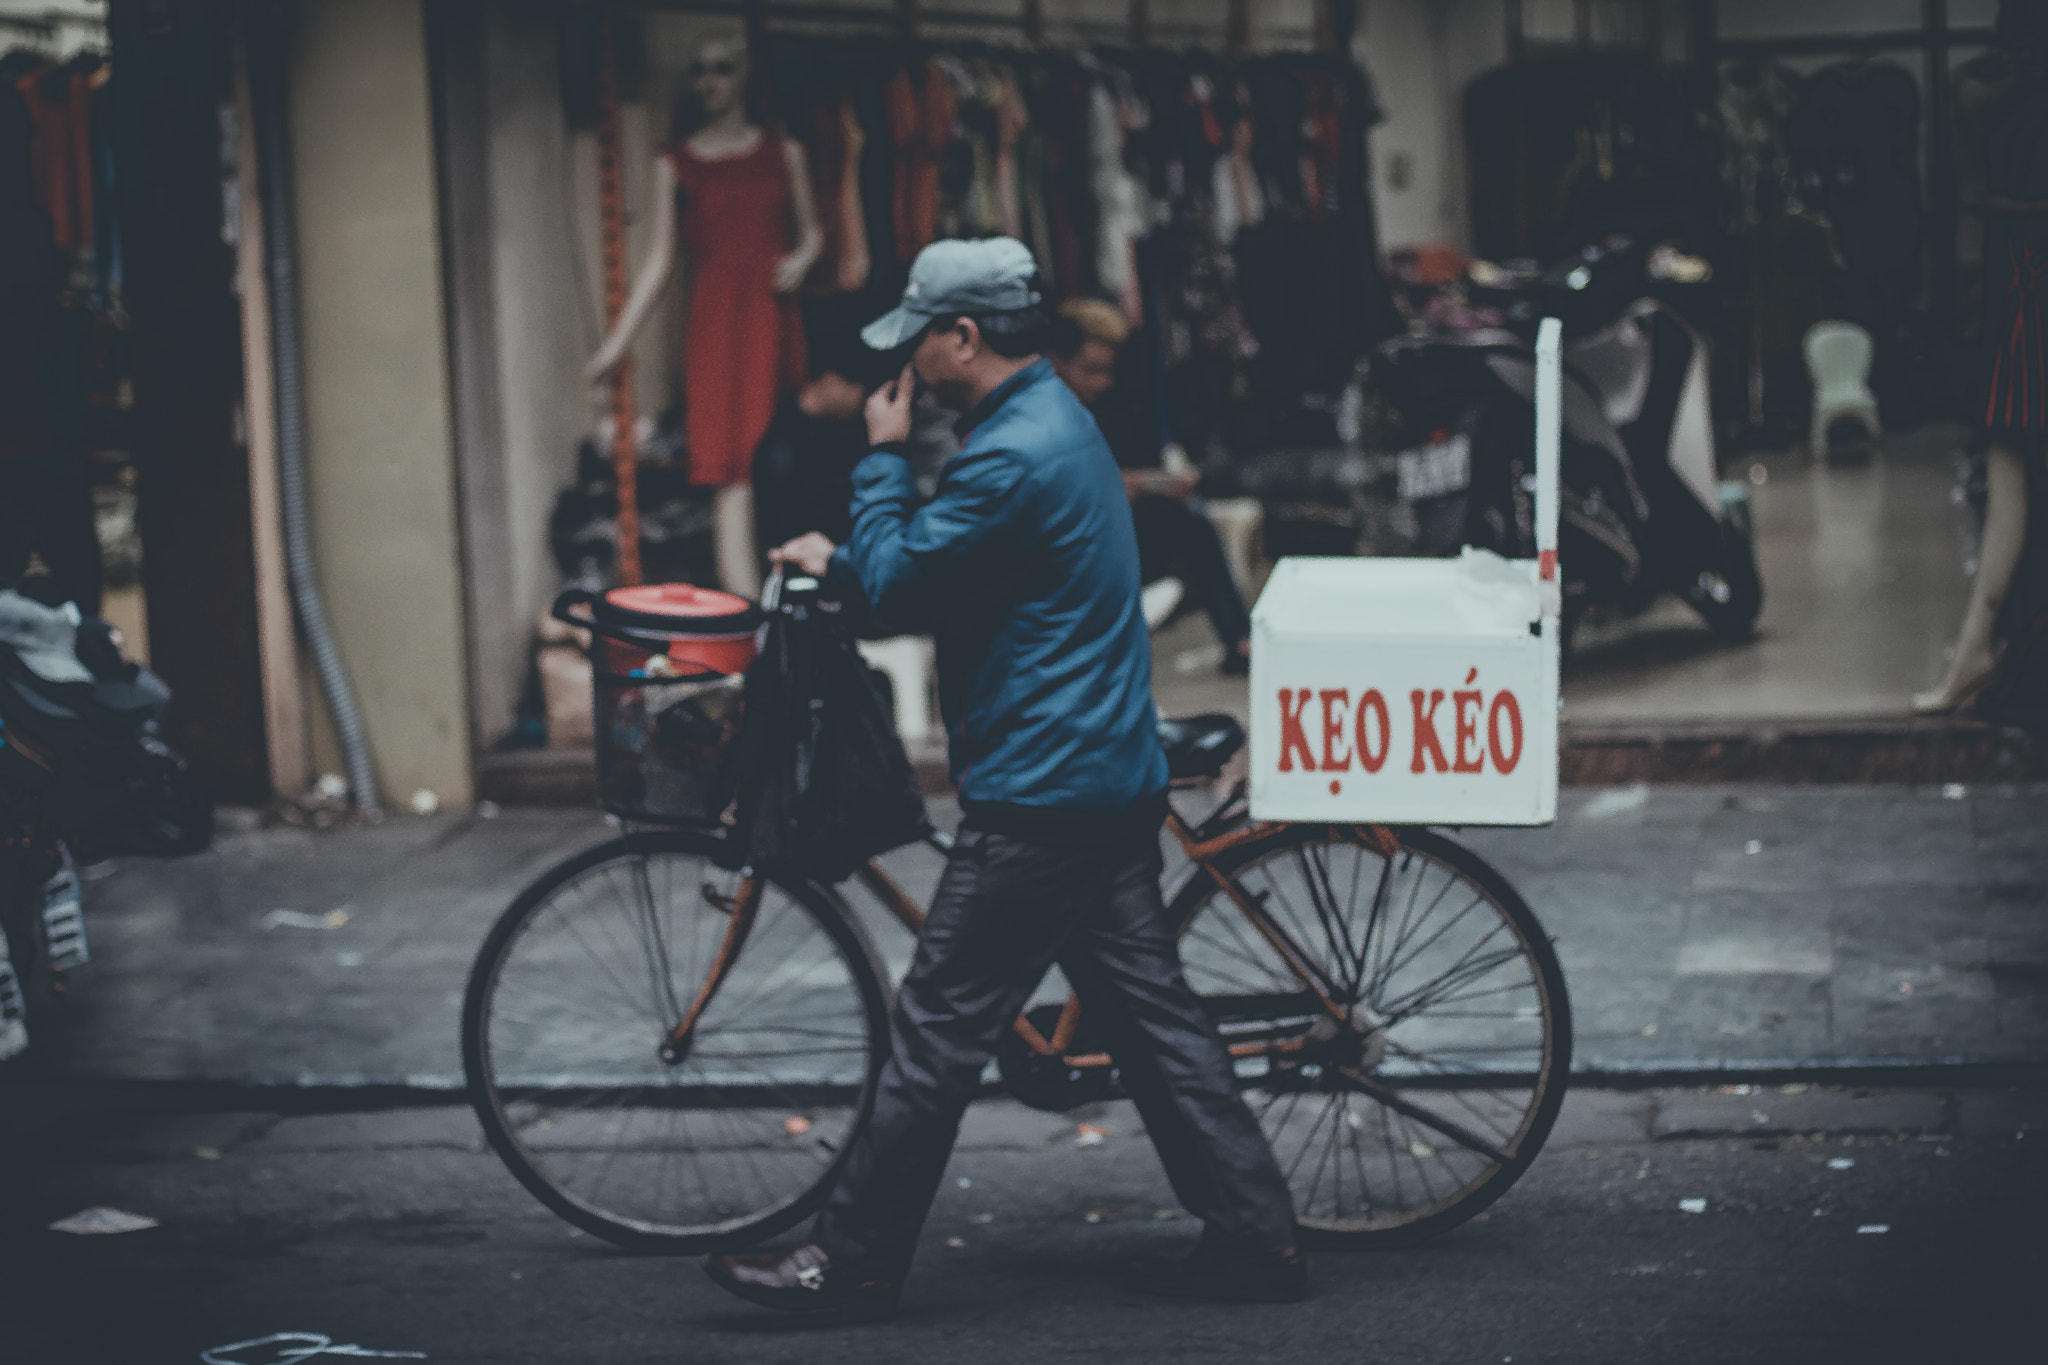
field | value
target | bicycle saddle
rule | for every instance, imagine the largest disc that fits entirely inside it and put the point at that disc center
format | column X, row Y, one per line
column 1199, row 746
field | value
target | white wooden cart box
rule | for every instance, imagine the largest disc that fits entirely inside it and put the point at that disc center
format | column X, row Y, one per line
column 1414, row 691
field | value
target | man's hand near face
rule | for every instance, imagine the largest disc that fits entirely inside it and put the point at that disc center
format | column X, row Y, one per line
column 888, row 410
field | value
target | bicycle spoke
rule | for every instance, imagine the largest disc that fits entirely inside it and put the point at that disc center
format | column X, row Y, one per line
column 1420, row 1103
column 757, row 1107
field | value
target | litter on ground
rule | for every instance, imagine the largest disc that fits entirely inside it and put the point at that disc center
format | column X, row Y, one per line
column 1692, row 1205
column 100, row 1221
column 299, row 919
column 292, row 1347
column 1106, row 1213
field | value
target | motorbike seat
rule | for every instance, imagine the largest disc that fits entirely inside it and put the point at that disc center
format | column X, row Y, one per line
column 1199, row 746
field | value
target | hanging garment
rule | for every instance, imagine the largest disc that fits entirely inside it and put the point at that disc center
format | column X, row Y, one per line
column 2016, row 273
column 1062, row 112
column 854, row 260
column 833, row 144
column 1012, row 122
column 922, row 114
column 744, row 346
column 28, row 253
column 868, row 93
column 59, row 103
column 907, row 163
column 1119, row 204
column 26, row 323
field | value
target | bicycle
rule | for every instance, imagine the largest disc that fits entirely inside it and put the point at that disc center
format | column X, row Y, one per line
column 671, row 1055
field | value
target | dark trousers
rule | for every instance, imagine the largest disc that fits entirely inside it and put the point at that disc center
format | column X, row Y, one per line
column 1005, row 911
column 46, row 508
column 1175, row 538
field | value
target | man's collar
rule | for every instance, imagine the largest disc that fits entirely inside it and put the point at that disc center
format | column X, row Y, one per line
column 999, row 395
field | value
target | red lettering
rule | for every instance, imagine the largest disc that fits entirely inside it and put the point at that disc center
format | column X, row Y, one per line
column 1372, row 703
column 1293, row 739
column 1467, row 727
column 1504, row 702
column 1336, row 709
column 1425, row 731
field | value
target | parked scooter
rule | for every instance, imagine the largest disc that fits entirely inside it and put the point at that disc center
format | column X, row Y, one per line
column 1644, row 510
column 81, row 769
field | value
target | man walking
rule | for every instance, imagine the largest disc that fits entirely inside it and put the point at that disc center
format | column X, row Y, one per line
column 1024, row 566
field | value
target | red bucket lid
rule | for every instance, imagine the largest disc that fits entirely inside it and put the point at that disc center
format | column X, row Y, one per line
column 677, row 607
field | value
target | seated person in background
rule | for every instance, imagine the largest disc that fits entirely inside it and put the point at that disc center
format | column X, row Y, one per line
column 1174, row 537
column 803, row 468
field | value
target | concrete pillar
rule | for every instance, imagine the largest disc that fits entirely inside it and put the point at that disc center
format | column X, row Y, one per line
column 381, row 460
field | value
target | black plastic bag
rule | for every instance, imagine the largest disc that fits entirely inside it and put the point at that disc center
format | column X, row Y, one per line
column 825, row 784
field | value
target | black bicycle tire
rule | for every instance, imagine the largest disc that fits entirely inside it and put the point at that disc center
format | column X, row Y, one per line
column 823, row 905
column 1202, row 888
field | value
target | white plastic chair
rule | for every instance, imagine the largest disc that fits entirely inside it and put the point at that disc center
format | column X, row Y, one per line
column 1160, row 599
column 1838, row 360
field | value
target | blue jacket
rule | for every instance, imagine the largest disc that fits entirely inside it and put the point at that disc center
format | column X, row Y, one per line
column 1024, row 568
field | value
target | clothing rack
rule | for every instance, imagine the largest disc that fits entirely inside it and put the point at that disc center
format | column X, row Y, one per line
column 905, row 18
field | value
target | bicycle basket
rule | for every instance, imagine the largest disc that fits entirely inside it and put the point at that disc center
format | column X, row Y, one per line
column 664, row 745
column 668, row 688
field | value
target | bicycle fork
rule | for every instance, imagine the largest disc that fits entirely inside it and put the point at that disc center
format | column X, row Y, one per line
column 740, row 917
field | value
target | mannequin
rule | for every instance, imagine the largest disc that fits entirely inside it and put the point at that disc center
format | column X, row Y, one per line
column 2005, row 535
column 2016, row 400
column 749, row 234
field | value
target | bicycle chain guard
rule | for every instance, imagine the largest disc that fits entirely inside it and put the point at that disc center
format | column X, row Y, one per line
column 1048, row 1083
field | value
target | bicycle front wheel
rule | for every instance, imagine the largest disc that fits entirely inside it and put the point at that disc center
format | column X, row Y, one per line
column 1401, row 1018
column 569, row 1044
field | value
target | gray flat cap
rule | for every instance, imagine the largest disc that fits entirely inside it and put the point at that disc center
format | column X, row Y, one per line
column 993, row 275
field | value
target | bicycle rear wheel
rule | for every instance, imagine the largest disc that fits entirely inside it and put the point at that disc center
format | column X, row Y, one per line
column 727, row 1140
column 1416, row 1056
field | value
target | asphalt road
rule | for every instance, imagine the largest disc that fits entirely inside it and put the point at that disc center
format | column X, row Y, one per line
column 396, row 1231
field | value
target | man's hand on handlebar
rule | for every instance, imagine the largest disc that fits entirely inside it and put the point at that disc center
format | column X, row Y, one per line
column 810, row 552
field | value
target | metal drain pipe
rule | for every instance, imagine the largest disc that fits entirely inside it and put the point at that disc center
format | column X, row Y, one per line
column 269, row 51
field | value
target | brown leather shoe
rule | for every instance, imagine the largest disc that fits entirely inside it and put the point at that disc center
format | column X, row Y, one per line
column 804, row 1280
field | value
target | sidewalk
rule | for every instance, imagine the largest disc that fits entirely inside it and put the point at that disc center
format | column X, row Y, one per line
column 1748, row 929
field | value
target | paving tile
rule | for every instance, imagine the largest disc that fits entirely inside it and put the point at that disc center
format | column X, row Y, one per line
column 1769, row 859
column 2002, row 1113
column 1860, row 976
column 1610, row 1004
column 1924, row 1026
column 2018, row 815
column 1768, row 1109
column 1776, row 932
column 1775, row 1015
column 1906, row 855
column 1599, row 1117
column 452, row 1126
column 1605, row 898
column 2020, row 869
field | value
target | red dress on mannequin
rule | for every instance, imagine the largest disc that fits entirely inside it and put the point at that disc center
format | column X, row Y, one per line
column 744, row 345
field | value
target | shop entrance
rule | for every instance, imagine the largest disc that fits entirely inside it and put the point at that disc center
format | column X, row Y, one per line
column 124, row 474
